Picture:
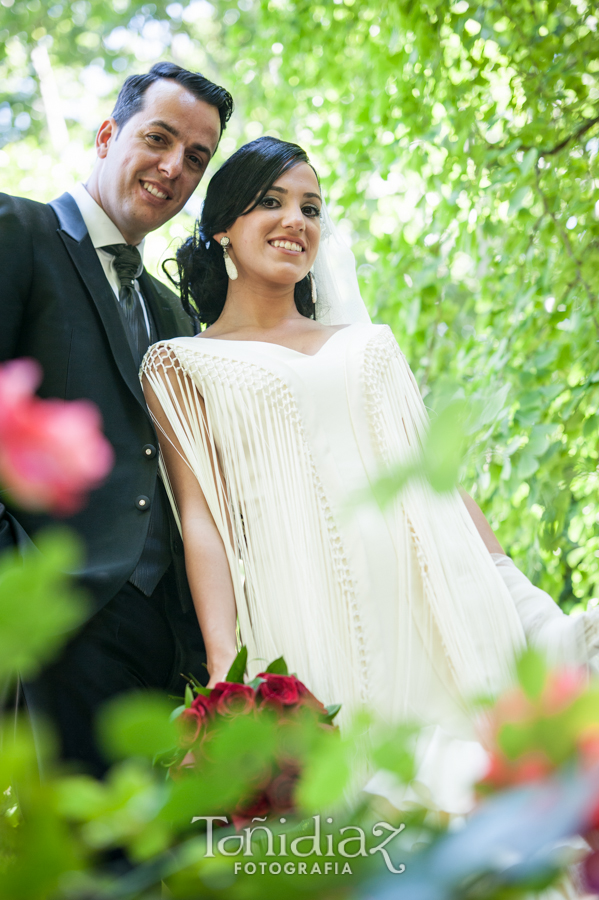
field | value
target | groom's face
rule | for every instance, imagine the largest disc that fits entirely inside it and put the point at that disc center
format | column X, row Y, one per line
column 151, row 165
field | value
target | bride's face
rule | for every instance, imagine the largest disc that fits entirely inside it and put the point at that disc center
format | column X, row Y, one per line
column 278, row 241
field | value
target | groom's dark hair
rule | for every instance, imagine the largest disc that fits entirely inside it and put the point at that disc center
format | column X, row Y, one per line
column 131, row 95
column 234, row 190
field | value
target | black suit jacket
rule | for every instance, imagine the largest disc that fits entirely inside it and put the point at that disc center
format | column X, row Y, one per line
column 57, row 306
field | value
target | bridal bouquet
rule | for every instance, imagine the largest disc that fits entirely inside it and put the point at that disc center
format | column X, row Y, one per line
column 275, row 694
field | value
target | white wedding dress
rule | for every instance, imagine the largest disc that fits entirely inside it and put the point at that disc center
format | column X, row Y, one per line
column 400, row 610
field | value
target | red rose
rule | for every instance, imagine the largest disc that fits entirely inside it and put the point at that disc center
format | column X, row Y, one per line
column 257, row 807
column 51, row 451
column 281, row 791
column 230, row 699
column 278, row 690
column 193, row 720
column 291, row 742
column 307, row 698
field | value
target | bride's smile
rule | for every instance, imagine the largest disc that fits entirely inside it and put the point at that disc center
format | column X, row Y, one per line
column 287, row 246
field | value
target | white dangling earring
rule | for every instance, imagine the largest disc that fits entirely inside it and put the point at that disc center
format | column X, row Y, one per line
column 229, row 264
column 313, row 287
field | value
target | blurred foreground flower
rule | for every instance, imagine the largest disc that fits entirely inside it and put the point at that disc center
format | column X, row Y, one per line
column 547, row 725
column 550, row 720
column 51, row 451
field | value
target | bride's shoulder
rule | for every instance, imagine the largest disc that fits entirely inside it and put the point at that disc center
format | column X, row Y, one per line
column 371, row 329
column 166, row 353
column 375, row 335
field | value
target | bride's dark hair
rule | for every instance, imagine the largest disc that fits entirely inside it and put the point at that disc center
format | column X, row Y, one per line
column 234, row 190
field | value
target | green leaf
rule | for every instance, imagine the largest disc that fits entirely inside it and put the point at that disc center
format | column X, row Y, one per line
column 332, row 711
column 527, row 464
column 516, row 740
column 590, row 429
column 325, row 776
column 278, row 667
column 396, row 753
column 236, row 673
column 137, row 725
column 444, row 447
column 188, row 696
column 532, row 673
column 491, row 407
column 528, row 161
column 517, row 199
column 39, row 604
column 177, row 711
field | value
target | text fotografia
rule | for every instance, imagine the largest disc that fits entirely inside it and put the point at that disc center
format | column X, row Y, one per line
column 291, row 868
column 351, row 842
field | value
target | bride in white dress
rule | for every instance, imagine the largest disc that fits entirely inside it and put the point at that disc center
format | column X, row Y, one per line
column 270, row 420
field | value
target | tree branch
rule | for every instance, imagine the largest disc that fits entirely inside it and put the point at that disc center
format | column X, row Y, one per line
column 571, row 137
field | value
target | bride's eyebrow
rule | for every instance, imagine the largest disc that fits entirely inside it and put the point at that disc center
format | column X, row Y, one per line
column 285, row 191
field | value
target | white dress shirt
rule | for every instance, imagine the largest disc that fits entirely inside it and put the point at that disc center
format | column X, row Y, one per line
column 103, row 232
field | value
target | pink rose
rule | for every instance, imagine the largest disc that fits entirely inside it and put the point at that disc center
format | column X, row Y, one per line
column 563, row 688
column 230, row 699
column 52, row 452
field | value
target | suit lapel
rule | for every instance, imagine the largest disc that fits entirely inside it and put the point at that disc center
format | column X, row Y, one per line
column 168, row 315
column 162, row 313
column 85, row 259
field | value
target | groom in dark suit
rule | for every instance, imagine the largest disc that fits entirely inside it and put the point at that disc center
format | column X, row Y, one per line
column 75, row 296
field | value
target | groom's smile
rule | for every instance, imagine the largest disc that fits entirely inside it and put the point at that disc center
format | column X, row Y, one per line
column 156, row 191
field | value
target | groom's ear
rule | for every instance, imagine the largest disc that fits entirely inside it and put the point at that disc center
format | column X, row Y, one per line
column 106, row 133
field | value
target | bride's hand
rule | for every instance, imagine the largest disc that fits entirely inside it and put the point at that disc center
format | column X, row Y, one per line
column 219, row 670
column 216, row 678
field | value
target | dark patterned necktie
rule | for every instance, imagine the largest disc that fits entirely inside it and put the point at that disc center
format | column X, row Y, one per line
column 128, row 266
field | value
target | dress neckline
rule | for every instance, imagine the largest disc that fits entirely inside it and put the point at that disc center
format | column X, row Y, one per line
column 281, row 346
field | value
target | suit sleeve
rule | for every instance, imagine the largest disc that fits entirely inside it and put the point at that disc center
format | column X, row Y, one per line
column 16, row 265
column 13, row 535
column 16, row 272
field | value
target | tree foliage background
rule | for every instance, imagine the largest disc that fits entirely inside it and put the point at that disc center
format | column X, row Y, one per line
column 456, row 142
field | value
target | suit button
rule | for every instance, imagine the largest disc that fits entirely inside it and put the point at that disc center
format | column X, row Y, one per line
column 143, row 502
column 149, row 451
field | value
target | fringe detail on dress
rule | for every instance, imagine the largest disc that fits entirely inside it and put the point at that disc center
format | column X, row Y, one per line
column 467, row 602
